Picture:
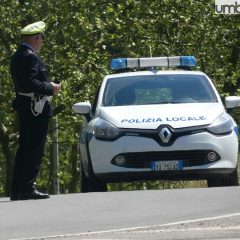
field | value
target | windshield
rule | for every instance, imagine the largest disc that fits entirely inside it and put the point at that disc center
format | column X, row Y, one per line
column 143, row 90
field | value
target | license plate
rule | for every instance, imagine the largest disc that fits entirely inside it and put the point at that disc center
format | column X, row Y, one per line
column 174, row 165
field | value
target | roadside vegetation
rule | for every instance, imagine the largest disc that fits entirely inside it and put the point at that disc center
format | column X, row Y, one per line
column 82, row 37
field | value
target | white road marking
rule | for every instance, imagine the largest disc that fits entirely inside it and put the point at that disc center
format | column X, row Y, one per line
column 146, row 228
column 188, row 229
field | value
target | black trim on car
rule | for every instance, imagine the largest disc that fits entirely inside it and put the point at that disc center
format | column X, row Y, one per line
column 198, row 174
column 189, row 158
column 154, row 133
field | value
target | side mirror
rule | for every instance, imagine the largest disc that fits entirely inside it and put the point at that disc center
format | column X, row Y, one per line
column 83, row 108
column 232, row 101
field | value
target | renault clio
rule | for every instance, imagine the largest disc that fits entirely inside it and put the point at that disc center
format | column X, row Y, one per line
column 149, row 124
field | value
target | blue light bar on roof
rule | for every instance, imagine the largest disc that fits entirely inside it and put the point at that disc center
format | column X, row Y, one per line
column 177, row 61
column 119, row 63
column 189, row 61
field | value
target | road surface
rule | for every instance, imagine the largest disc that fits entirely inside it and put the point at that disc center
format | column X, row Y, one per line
column 198, row 213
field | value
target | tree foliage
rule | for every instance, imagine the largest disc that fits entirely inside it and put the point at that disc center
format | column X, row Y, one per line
column 81, row 38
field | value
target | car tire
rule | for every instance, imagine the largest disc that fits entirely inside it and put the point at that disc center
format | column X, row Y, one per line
column 224, row 180
column 231, row 179
column 95, row 184
column 83, row 179
column 90, row 183
column 214, row 181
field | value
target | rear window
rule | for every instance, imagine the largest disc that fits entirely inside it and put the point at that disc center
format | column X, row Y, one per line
column 161, row 89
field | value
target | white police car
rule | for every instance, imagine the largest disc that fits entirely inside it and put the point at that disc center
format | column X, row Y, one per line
column 157, row 125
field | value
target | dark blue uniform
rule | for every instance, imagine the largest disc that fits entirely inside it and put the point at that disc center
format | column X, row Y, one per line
column 29, row 75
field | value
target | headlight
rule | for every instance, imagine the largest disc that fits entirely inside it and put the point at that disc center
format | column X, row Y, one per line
column 222, row 125
column 104, row 129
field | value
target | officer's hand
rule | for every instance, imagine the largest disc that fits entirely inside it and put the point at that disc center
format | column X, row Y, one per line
column 56, row 88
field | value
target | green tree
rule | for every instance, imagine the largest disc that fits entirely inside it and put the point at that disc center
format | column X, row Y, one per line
column 81, row 38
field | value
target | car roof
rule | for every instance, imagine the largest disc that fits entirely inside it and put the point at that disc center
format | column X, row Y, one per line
column 152, row 73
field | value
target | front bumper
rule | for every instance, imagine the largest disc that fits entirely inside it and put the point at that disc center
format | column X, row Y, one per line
column 102, row 154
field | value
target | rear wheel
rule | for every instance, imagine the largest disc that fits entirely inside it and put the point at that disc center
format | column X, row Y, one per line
column 83, row 179
column 224, row 180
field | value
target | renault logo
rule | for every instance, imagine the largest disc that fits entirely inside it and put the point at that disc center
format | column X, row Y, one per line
column 165, row 135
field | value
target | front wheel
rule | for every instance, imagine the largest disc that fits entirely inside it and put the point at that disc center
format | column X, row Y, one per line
column 90, row 183
column 231, row 179
column 224, row 180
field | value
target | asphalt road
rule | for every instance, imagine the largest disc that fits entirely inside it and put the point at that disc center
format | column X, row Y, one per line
column 153, row 214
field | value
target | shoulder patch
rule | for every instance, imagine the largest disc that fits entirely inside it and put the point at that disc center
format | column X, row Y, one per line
column 30, row 52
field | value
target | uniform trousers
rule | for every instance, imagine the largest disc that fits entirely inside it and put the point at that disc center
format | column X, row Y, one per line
column 32, row 139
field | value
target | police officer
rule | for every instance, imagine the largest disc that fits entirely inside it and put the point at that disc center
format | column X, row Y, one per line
column 32, row 103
